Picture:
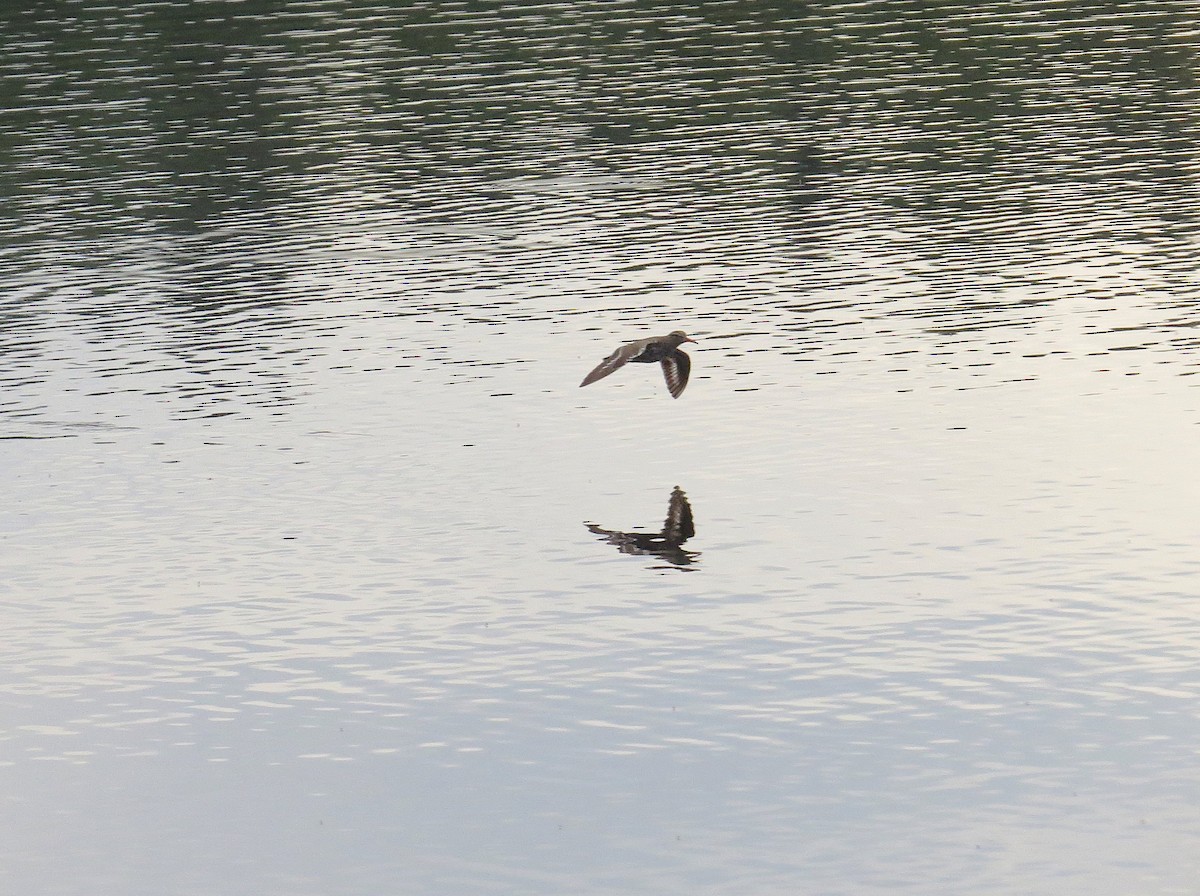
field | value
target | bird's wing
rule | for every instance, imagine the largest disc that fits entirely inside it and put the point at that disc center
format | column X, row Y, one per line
column 614, row 361
column 677, row 366
column 679, row 526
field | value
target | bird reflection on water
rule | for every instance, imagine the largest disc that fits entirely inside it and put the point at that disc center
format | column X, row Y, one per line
column 678, row 527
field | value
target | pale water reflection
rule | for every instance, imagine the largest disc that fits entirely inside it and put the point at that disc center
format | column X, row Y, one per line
column 293, row 309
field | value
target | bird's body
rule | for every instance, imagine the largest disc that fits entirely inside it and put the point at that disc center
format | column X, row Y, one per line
column 664, row 350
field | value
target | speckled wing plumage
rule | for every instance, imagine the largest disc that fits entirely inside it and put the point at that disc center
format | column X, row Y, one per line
column 677, row 367
column 613, row 362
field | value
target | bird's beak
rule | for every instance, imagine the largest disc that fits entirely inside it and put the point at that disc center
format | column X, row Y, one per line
column 689, row 339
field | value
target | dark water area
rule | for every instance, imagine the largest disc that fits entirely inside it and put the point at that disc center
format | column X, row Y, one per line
column 320, row 573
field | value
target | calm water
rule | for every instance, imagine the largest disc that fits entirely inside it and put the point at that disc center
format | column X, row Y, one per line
column 319, row 574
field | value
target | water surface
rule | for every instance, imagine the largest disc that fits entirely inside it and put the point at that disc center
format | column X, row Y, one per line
column 321, row 575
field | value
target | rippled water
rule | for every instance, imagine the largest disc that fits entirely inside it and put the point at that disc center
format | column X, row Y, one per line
column 320, row 574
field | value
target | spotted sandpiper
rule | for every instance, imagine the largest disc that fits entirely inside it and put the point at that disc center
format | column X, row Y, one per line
column 676, row 364
column 668, row 544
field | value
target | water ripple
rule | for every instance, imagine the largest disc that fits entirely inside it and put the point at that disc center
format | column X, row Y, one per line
column 294, row 305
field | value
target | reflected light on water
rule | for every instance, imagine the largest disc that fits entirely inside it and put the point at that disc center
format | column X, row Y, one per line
column 294, row 306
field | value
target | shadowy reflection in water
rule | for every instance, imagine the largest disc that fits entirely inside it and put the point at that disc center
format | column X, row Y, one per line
column 678, row 527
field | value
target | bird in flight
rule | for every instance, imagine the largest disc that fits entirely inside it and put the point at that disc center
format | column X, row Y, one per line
column 676, row 365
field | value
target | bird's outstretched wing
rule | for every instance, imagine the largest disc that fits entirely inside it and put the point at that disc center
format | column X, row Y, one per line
column 679, row 525
column 613, row 362
column 676, row 366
